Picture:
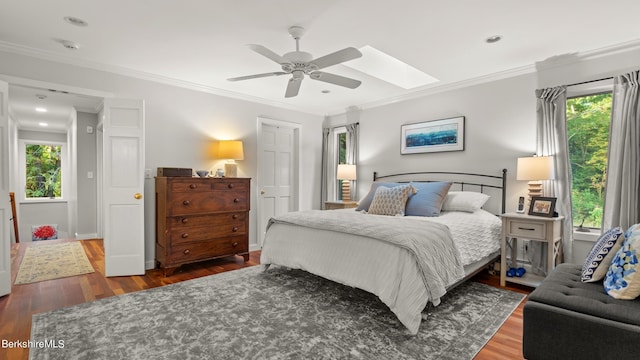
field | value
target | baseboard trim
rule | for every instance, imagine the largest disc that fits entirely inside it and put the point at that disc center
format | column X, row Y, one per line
column 86, row 236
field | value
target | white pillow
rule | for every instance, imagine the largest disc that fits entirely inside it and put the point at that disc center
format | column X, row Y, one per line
column 390, row 201
column 467, row 201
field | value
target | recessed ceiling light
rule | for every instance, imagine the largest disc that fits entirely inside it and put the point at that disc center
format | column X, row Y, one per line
column 41, row 96
column 42, row 110
column 493, row 39
column 70, row 45
column 325, row 91
column 75, row 21
column 43, row 124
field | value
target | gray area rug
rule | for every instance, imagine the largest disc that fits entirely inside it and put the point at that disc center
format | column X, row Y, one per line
column 278, row 314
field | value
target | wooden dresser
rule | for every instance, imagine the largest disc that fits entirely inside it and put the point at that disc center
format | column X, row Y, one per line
column 200, row 219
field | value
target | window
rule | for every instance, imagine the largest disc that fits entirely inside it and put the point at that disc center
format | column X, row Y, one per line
column 42, row 169
column 588, row 120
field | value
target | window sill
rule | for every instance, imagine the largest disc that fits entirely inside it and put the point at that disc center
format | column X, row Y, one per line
column 592, row 235
column 42, row 201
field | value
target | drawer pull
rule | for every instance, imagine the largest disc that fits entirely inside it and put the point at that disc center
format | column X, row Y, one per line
column 193, row 186
column 186, row 202
column 236, row 200
column 185, row 235
column 184, row 220
column 186, row 251
column 234, row 244
column 235, row 228
column 230, row 186
column 234, row 216
column 528, row 229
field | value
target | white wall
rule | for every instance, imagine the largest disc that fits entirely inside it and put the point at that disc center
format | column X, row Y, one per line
column 499, row 127
column 180, row 125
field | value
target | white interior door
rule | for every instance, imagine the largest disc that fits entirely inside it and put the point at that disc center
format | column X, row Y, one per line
column 278, row 173
column 5, row 209
column 123, row 186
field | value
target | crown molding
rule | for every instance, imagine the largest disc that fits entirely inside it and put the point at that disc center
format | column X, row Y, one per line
column 444, row 87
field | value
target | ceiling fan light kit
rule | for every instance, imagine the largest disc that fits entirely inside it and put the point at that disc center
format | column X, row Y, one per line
column 299, row 63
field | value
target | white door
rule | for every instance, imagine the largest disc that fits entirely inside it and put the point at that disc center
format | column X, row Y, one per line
column 123, row 186
column 278, row 172
column 5, row 210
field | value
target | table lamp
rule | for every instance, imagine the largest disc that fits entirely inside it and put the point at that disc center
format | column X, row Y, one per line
column 535, row 169
column 346, row 173
column 230, row 150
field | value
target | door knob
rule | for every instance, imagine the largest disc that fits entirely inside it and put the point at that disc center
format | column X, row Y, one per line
column 137, row 196
column 261, row 192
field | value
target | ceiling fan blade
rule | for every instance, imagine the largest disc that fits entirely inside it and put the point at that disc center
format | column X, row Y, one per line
column 335, row 79
column 337, row 57
column 293, row 87
column 277, row 73
column 267, row 53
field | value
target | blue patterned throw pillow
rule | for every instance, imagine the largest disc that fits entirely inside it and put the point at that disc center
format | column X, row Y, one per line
column 603, row 251
column 623, row 278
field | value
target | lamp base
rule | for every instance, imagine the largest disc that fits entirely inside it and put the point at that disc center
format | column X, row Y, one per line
column 346, row 190
column 230, row 170
column 535, row 189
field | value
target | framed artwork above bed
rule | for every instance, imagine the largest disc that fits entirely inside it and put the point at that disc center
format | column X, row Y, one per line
column 433, row 136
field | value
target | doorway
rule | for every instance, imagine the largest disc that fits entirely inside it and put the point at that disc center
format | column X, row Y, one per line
column 278, row 170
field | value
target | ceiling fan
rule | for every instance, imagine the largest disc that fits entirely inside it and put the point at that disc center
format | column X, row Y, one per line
column 298, row 63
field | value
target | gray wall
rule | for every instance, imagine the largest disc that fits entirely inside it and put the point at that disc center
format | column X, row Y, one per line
column 87, row 226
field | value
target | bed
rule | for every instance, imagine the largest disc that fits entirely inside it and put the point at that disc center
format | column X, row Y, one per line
column 407, row 261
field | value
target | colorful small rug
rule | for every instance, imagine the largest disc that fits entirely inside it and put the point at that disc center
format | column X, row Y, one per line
column 46, row 262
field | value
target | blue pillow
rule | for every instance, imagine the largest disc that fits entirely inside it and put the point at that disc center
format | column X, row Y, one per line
column 623, row 278
column 604, row 250
column 428, row 200
column 366, row 201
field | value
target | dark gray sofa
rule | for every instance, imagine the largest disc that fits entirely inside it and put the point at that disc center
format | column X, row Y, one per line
column 565, row 318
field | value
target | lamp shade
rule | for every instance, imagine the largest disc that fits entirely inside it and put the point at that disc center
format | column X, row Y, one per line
column 535, row 168
column 230, row 150
column 346, row 172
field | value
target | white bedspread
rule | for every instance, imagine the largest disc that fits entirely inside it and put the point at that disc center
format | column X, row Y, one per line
column 430, row 243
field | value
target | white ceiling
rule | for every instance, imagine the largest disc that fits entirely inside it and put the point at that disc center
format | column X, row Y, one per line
column 201, row 43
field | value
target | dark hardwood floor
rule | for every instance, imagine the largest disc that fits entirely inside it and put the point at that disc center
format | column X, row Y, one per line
column 28, row 299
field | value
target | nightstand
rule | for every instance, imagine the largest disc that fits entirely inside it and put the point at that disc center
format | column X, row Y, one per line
column 527, row 227
column 333, row 205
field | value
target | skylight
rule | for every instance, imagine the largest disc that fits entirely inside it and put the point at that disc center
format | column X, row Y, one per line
column 385, row 67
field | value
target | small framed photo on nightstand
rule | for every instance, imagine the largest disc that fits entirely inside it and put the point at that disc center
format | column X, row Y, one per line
column 542, row 206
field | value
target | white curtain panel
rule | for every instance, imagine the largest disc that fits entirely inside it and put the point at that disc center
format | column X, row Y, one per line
column 621, row 206
column 324, row 172
column 552, row 141
column 352, row 154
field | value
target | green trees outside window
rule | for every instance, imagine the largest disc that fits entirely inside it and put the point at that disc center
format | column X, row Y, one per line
column 588, row 121
column 43, row 170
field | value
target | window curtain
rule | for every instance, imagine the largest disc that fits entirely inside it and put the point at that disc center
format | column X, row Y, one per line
column 621, row 206
column 324, row 173
column 352, row 154
column 552, row 140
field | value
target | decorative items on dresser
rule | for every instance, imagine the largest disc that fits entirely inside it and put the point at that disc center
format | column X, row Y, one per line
column 200, row 219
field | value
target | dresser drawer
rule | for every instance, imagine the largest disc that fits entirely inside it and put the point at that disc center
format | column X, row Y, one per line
column 191, row 203
column 204, row 233
column 530, row 230
column 185, row 221
column 230, row 185
column 184, row 253
column 190, row 185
